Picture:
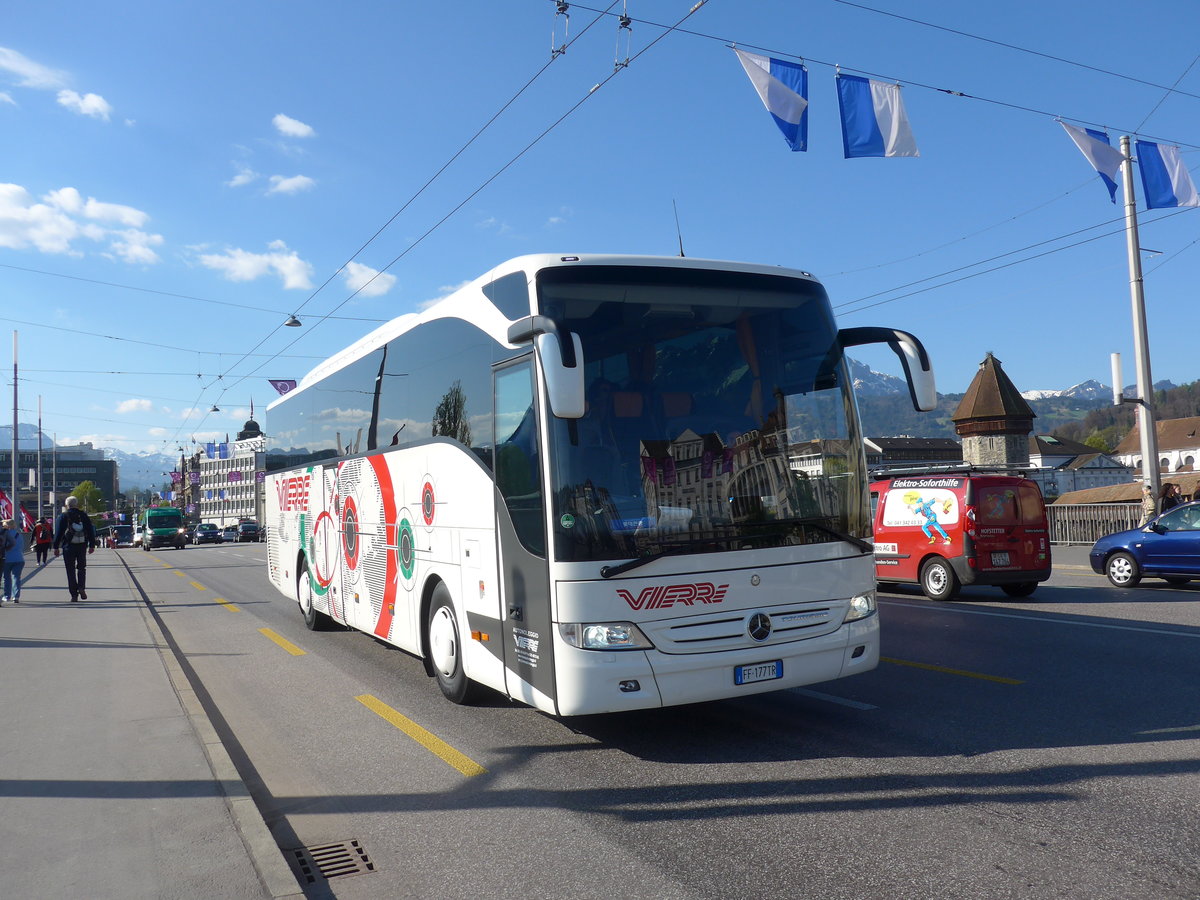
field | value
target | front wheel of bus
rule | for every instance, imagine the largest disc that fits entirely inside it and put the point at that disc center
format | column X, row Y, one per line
column 314, row 619
column 445, row 649
column 938, row 580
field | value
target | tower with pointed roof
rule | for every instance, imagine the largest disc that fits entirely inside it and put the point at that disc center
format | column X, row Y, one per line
column 994, row 420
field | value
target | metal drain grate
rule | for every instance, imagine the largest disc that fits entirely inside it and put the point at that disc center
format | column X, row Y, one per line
column 332, row 860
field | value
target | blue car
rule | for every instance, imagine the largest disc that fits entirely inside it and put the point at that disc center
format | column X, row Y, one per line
column 1168, row 547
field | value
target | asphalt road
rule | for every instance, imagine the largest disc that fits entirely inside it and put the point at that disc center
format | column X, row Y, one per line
column 1044, row 747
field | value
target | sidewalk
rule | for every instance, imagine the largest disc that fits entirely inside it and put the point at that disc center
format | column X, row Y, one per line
column 113, row 783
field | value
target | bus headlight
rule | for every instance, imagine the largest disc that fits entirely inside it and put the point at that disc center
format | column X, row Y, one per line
column 604, row 636
column 861, row 606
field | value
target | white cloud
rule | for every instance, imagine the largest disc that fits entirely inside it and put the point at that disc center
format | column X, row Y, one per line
column 6, row 98
column 133, row 246
column 156, row 432
column 64, row 217
column 289, row 127
column 292, row 185
column 359, row 278
column 241, row 265
column 134, row 405
column 32, row 75
column 86, row 104
column 244, row 176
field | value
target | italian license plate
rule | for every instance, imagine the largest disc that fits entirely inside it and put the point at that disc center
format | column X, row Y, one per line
column 766, row 671
column 1000, row 559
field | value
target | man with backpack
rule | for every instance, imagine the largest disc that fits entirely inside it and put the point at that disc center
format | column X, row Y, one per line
column 75, row 537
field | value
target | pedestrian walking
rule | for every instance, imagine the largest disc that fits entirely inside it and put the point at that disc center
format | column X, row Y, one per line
column 75, row 538
column 1149, row 505
column 43, row 537
column 12, row 539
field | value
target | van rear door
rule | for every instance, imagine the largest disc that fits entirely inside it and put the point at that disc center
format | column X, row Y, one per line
column 1010, row 526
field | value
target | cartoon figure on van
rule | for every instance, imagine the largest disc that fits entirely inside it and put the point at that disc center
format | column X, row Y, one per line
column 924, row 508
column 1000, row 506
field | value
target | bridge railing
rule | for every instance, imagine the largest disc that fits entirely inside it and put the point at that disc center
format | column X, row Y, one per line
column 1084, row 523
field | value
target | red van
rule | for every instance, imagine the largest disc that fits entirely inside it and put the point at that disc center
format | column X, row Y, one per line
column 944, row 530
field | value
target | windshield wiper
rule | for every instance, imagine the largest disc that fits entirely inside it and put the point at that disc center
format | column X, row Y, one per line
column 610, row 571
column 865, row 546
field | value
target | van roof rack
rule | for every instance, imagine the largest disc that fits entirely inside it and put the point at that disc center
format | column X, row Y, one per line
column 953, row 469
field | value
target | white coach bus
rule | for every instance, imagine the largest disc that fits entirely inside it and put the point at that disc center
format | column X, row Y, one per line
column 591, row 483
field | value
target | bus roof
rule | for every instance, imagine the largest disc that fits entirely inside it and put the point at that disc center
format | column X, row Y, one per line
column 468, row 302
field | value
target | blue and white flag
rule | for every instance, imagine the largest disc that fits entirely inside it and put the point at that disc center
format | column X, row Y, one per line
column 1165, row 179
column 1105, row 158
column 874, row 122
column 783, row 88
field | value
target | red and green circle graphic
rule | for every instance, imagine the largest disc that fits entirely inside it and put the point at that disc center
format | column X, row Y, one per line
column 322, row 552
column 350, row 538
column 406, row 549
column 427, row 503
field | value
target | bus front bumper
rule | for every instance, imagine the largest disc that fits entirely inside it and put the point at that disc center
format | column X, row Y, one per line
column 592, row 681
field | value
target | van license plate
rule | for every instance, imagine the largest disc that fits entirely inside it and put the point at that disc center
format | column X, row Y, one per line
column 1000, row 559
column 767, row 671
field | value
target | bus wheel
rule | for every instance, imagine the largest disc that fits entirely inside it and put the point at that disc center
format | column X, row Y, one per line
column 445, row 649
column 1122, row 570
column 314, row 619
column 938, row 580
column 1024, row 589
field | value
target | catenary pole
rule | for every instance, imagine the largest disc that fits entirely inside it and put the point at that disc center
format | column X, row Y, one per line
column 1141, row 342
column 16, row 494
column 40, row 509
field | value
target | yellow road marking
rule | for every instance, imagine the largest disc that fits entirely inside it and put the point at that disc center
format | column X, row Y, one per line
column 429, row 741
column 225, row 603
column 282, row 641
column 181, row 574
column 932, row 668
column 198, row 586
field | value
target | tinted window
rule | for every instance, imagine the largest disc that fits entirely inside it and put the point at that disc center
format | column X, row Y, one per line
column 996, row 506
column 518, row 466
column 1033, row 510
column 510, row 294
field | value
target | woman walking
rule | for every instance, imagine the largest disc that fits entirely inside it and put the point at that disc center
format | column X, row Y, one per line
column 13, row 542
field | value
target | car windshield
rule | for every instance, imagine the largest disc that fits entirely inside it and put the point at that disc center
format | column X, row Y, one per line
column 718, row 415
column 174, row 520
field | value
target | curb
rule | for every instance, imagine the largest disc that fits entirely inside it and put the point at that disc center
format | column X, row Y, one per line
column 276, row 875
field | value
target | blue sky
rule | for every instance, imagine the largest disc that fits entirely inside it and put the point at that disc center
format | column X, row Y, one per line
column 178, row 178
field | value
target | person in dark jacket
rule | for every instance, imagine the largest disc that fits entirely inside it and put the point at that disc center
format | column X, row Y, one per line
column 1171, row 497
column 75, row 538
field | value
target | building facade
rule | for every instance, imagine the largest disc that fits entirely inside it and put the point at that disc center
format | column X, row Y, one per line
column 62, row 470
column 230, row 484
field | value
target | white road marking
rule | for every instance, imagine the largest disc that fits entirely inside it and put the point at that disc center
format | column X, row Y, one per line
column 817, row 695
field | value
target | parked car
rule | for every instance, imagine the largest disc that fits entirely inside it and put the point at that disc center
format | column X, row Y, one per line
column 208, row 533
column 1167, row 547
column 248, row 531
column 229, row 534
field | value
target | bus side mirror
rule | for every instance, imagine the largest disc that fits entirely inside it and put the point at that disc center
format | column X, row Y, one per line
column 562, row 362
column 564, row 384
column 917, row 370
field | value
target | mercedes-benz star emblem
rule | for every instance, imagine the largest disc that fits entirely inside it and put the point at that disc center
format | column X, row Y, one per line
column 759, row 626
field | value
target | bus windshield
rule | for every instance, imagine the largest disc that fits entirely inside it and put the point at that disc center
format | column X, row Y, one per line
column 719, row 415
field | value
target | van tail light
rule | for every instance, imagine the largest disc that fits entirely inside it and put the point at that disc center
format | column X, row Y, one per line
column 969, row 521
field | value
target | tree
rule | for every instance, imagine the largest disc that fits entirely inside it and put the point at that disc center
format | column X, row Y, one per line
column 90, row 498
column 450, row 416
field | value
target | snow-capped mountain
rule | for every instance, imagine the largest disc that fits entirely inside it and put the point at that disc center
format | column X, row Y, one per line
column 1091, row 390
column 143, row 470
column 869, row 383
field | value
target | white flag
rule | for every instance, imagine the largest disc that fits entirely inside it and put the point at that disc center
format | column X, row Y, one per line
column 1105, row 158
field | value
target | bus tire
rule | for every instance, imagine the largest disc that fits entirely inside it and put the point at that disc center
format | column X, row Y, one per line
column 314, row 619
column 938, row 580
column 1122, row 570
column 1023, row 589
column 444, row 639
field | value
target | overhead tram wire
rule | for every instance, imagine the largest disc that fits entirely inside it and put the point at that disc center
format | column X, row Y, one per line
column 1009, row 265
column 918, row 84
column 554, row 56
column 1020, row 49
column 595, row 88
